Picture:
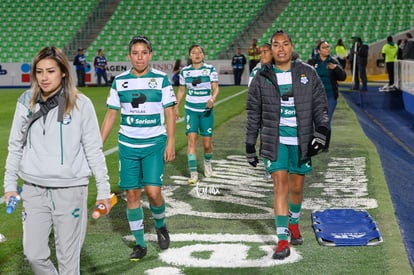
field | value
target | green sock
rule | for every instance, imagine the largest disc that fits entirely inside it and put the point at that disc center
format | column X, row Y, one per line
column 136, row 224
column 208, row 156
column 159, row 215
column 192, row 163
column 294, row 212
column 281, row 223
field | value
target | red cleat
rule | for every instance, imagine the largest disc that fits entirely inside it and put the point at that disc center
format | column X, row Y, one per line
column 282, row 250
column 295, row 237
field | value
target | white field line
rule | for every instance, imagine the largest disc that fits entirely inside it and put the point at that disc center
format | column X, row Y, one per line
column 115, row 149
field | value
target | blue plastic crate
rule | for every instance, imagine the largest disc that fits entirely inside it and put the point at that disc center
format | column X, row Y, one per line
column 345, row 227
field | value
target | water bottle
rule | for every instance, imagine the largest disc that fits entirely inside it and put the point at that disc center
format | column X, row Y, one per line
column 13, row 201
column 100, row 209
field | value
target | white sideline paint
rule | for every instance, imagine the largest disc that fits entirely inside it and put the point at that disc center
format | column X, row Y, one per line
column 164, row 271
column 344, row 185
column 224, row 255
column 236, row 183
column 226, row 250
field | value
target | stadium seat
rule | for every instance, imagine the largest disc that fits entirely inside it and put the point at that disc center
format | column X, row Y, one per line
column 197, row 22
column 351, row 18
column 213, row 23
column 40, row 21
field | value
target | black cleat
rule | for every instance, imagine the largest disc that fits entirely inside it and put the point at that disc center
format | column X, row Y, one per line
column 138, row 252
column 282, row 250
column 163, row 237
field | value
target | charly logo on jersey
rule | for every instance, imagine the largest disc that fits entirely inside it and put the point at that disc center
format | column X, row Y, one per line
column 152, row 83
column 76, row 213
column 303, row 79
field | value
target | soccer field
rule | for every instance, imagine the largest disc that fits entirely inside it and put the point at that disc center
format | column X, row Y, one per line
column 224, row 225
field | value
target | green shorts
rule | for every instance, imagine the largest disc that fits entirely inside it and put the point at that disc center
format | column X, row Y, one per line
column 202, row 121
column 288, row 159
column 139, row 167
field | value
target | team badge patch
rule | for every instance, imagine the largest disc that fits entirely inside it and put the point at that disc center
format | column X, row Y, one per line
column 303, row 79
column 66, row 119
column 152, row 83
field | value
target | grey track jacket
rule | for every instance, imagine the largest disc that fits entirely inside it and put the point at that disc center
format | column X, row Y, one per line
column 263, row 108
column 57, row 154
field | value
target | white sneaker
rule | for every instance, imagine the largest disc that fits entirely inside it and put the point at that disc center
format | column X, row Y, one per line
column 267, row 176
column 208, row 170
column 385, row 89
column 193, row 178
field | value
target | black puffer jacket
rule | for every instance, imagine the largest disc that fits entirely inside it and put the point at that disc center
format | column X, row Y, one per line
column 263, row 108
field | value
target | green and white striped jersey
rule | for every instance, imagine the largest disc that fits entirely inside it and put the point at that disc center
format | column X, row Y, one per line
column 253, row 73
column 142, row 101
column 288, row 128
column 198, row 85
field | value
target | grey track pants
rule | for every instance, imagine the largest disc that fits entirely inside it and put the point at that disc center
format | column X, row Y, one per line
column 65, row 211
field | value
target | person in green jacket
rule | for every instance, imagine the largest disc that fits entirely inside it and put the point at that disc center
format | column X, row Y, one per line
column 330, row 72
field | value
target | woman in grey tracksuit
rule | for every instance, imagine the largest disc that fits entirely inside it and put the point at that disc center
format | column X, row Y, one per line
column 287, row 105
column 54, row 146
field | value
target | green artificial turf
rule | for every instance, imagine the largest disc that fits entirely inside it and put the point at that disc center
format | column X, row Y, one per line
column 242, row 194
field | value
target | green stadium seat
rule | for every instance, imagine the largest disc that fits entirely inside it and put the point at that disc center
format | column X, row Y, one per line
column 350, row 18
column 37, row 20
column 213, row 23
column 164, row 26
